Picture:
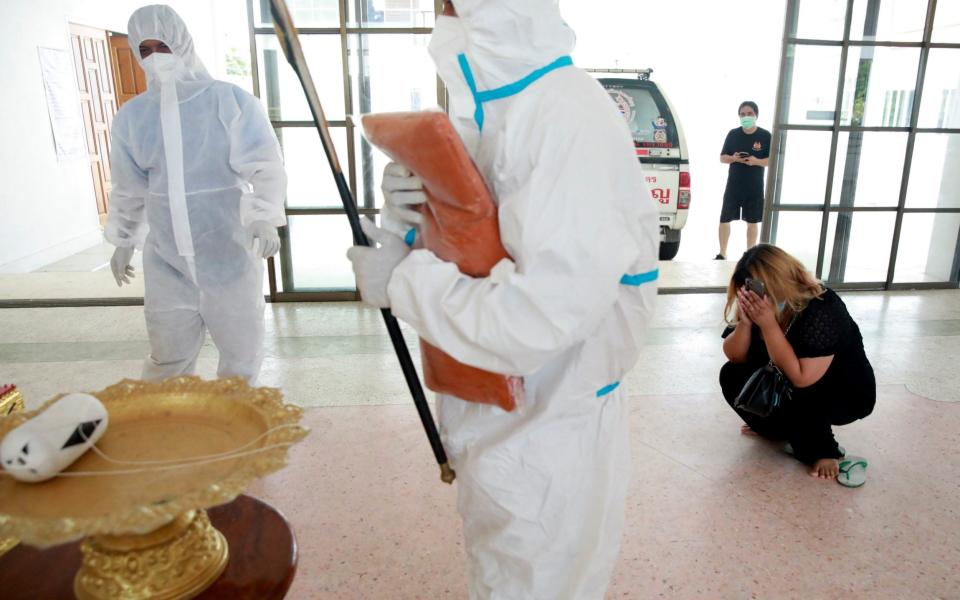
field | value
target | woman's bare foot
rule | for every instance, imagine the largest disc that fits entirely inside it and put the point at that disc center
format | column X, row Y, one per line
column 826, row 468
column 746, row 430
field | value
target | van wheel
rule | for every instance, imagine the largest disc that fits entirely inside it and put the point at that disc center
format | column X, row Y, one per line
column 669, row 249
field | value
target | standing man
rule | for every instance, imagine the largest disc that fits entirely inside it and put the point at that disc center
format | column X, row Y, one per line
column 542, row 489
column 198, row 182
column 747, row 151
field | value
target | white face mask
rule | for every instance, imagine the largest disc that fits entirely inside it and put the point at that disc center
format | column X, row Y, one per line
column 163, row 66
column 448, row 41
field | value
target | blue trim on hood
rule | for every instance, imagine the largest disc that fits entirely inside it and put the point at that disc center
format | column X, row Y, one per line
column 511, row 89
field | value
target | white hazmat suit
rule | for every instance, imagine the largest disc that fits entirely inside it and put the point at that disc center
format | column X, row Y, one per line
column 542, row 489
column 198, row 162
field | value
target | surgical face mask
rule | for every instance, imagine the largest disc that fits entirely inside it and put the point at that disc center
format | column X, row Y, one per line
column 162, row 66
column 448, row 41
column 748, row 122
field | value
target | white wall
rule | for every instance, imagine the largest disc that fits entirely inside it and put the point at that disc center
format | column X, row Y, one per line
column 47, row 208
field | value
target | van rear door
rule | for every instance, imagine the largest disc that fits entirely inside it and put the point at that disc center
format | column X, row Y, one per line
column 656, row 138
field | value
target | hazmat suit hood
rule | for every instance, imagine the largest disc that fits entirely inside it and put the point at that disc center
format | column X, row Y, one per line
column 160, row 22
column 506, row 40
column 493, row 45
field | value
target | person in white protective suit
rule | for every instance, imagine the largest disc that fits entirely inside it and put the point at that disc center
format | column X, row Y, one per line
column 199, row 184
column 541, row 489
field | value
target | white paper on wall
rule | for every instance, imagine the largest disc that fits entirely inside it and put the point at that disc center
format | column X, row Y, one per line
column 63, row 104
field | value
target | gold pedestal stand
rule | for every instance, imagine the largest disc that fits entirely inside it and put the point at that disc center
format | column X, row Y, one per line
column 11, row 401
column 146, row 533
column 179, row 560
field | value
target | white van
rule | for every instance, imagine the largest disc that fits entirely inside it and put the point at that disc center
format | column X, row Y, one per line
column 659, row 145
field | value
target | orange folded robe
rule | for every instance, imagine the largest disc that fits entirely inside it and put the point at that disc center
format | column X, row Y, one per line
column 460, row 226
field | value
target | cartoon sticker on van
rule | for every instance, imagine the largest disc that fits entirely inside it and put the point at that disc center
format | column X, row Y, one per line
column 659, row 130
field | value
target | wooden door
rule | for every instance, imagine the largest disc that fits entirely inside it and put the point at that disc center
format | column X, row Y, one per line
column 91, row 57
column 127, row 74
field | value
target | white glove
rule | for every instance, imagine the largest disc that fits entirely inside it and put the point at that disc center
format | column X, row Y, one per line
column 120, row 265
column 402, row 194
column 267, row 234
column 373, row 266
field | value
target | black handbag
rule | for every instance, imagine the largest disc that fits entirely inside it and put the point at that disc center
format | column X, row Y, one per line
column 766, row 389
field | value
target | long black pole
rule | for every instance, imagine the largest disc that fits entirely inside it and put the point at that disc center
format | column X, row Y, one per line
column 287, row 35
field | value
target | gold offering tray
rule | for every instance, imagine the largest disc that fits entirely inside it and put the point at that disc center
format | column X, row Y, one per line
column 151, row 512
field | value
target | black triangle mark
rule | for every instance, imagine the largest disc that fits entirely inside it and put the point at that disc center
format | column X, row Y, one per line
column 82, row 433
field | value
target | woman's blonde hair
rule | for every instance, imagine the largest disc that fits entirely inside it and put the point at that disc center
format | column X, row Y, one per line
column 784, row 277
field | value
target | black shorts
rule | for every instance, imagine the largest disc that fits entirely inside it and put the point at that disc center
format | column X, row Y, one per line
column 735, row 208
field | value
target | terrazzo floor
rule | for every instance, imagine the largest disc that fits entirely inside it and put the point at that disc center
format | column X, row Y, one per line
column 711, row 514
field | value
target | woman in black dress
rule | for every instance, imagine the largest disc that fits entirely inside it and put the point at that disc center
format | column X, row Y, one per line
column 822, row 355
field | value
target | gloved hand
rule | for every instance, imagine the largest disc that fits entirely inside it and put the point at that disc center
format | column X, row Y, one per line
column 120, row 265
column 267, row 234
column 402, row 194
column 373, row 266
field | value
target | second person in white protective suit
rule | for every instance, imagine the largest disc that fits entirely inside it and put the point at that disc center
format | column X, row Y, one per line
column 541, row 489
column 199, row 184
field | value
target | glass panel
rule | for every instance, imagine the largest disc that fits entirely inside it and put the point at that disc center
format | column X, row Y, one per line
column 811, row 90
column 280, row 89
column 869, row 168
column 946, row 23
column 799, row 234
column 398, row 75
column 646, row 112
column 805, row 158
column 370, row 164
column 928, row 247
column 879, row 86
column 941, row 90
column 305, row 13
column 309, row 179
column 892, row 21
column 318, row 244
column 821, row 19
column 390, row 13
column 278, row 263
column 934, row 176
column 858, row 246
column 391, row 72
column 230, row 30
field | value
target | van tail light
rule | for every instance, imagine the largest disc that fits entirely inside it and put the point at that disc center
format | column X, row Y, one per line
column 683, row 197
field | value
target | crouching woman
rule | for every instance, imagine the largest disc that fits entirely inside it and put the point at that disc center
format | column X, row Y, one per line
column 805, row 329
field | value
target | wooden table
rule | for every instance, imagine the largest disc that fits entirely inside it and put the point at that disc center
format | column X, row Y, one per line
column 263, row 559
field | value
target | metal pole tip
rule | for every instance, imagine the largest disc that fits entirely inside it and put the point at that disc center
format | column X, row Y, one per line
column 447, row 475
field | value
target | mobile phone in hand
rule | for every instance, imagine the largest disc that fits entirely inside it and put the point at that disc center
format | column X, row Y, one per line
column 743, row 154
column 756, row 286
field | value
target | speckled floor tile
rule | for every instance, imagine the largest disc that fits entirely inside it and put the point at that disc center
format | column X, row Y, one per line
column 76, row 284
column 710, row 514
column 371, row 516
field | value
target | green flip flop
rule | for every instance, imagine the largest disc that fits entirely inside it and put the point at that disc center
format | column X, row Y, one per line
column 853, row 471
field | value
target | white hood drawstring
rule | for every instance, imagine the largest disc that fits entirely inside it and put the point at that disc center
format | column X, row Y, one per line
column 164, row 69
